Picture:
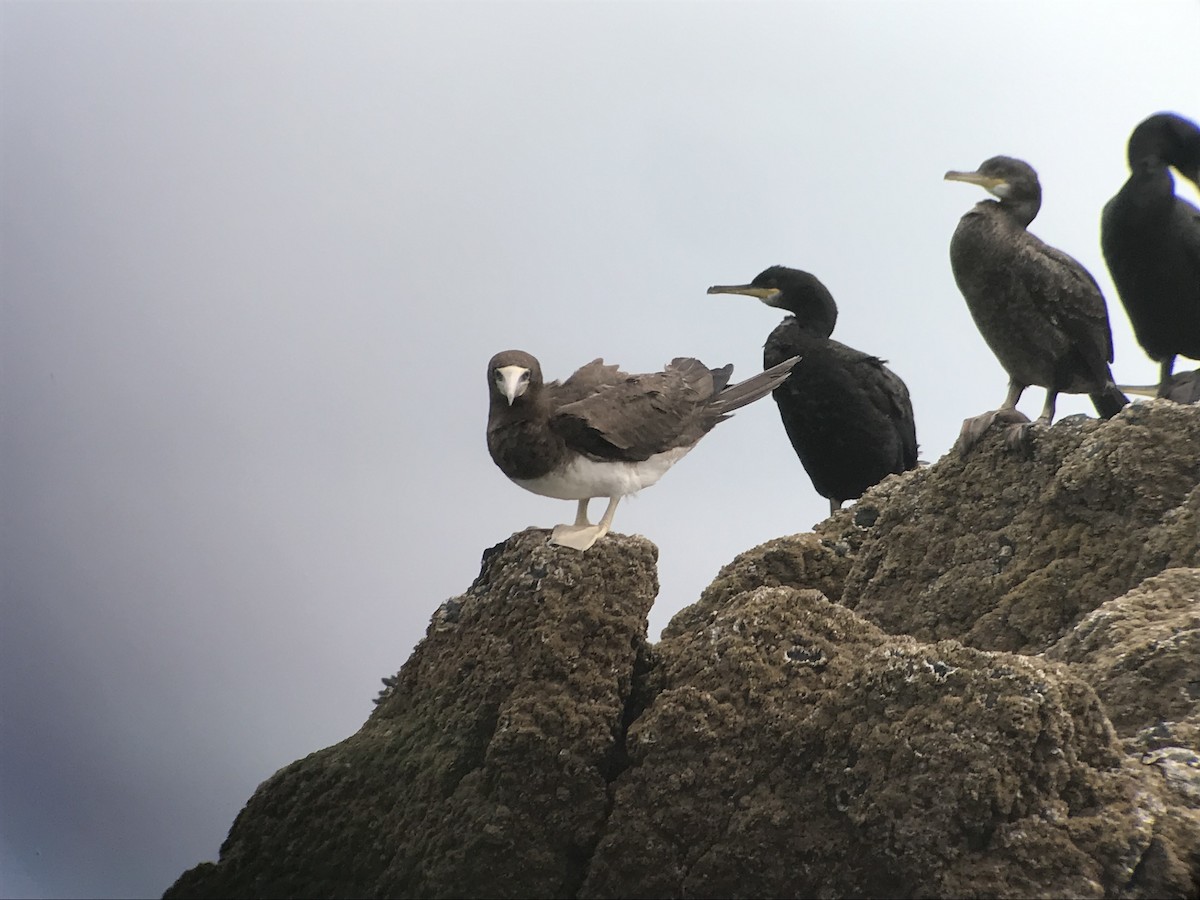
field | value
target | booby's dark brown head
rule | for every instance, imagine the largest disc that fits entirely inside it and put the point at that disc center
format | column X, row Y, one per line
column 512, row 375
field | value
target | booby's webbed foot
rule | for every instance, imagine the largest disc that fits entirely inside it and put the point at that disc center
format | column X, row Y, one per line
column 974, row 428
column 577, row 537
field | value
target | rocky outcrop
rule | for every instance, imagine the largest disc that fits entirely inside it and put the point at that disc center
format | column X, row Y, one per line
column 1007, row 553
column 794, row 749
column 1141, row 652
column 485, row 767
column 983, row 679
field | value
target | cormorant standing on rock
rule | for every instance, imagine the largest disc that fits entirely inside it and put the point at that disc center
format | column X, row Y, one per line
column 849, row 417
column 1151, row 242
column 1039, row 310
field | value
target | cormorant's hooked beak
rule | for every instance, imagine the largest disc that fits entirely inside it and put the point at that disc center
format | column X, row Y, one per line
column 768, row 295
column 512, row 381
column 990, row 183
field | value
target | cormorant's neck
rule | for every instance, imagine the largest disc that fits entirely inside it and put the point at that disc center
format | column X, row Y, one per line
column 814, row 324
column 1151, row 180
column 813, row 307
column 1020, row 211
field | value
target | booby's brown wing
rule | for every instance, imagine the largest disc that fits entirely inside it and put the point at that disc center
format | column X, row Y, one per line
column 585, row 381
column 642, row 415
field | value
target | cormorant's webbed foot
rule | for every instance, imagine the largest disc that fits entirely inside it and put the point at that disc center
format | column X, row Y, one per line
column 974, row 428
column 1018, row 438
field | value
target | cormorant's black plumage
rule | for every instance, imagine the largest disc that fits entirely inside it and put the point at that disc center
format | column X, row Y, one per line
column 1039, row 310
column 1151, row 242
column 848, row 416
column 602, row 432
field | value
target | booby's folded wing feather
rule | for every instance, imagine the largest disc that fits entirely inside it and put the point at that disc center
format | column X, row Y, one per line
column 584, row 382
column 642, row 415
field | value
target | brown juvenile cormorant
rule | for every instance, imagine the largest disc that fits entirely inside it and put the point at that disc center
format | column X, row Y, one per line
column 602, row 432
column 1151, row 242
column 848, row 416
column 1039, row 310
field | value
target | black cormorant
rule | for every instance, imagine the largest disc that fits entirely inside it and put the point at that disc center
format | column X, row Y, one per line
column 602, row 432
column 1151, row 242
column 849, row 417
column 1039, row 310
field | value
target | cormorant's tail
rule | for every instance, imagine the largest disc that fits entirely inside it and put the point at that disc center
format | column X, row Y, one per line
column 1109, row 401
column 745, row 392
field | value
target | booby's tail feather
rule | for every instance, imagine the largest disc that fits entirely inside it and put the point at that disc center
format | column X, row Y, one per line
column 746, row 392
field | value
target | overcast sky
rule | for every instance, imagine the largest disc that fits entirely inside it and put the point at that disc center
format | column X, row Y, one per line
column 254, row 258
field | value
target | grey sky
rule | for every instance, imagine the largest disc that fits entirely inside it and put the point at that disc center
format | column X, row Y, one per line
column 254, row 258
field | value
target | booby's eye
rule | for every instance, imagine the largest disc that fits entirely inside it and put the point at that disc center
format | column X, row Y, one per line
column 524, row 376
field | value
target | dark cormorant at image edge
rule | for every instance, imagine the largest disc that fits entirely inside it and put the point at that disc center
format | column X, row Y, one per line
column 1151, row 243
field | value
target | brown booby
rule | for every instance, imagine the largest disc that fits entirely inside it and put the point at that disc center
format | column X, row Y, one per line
column 849, row 417
column 603, row 432
column 1039, row 310
column 1151, row 242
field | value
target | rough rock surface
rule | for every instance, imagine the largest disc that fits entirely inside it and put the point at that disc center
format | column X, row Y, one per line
column 983, row 679
column 484, row 768
column 799, row 559
column 1004, row 552
column 794, row 749
column 1141, row 652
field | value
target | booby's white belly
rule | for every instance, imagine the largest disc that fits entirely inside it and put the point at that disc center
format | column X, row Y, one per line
column 584, row 478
